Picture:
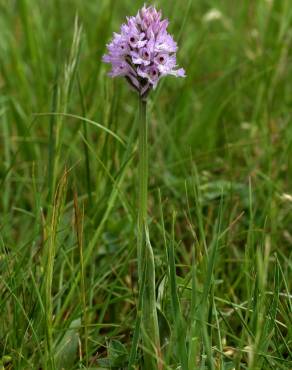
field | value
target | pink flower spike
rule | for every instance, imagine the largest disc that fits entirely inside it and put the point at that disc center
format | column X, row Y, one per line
column 143, row 51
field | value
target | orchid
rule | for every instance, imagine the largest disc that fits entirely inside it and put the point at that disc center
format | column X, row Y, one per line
column 143, row 52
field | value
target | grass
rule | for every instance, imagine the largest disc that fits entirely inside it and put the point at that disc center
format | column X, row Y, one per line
column 220, row 199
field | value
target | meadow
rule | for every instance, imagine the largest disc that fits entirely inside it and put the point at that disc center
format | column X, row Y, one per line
column 220, row 188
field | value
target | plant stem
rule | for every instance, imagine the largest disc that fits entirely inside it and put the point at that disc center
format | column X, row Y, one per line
column 150, row 333
column 143, row 181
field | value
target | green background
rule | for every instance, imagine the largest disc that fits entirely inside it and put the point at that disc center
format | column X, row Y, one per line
column 220, row 145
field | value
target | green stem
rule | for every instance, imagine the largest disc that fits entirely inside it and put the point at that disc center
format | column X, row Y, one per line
column 143, row 181
column 146, row 265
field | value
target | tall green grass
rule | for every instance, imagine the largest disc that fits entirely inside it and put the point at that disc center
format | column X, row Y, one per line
column 219, row 203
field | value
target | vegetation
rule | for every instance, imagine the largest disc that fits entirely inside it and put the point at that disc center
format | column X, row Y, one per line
column 220, row 198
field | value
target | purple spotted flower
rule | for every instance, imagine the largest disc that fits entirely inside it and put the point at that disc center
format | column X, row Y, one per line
column 143, row 51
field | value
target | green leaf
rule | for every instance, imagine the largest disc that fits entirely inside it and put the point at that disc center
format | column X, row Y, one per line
column 66, row 350
column 118, row 356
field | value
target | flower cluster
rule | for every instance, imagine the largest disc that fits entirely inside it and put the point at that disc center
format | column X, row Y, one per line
column 144, row 51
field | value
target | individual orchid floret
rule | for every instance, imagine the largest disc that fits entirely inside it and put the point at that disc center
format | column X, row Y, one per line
column 143, row 51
